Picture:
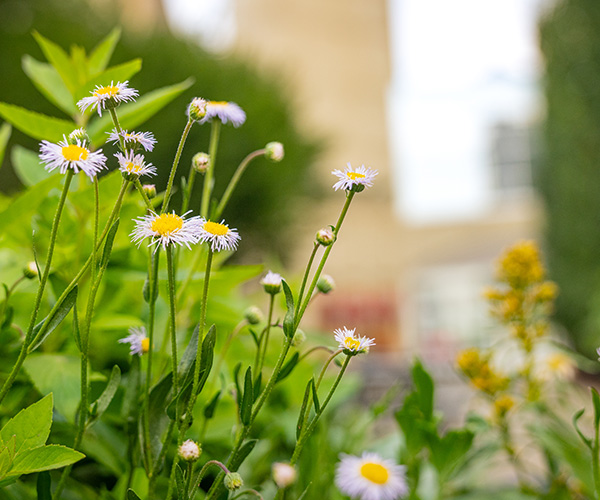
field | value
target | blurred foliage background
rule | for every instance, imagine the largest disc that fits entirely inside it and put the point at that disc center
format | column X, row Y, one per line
column 168, row 60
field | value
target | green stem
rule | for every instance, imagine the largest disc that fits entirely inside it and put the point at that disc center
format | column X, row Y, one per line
column 186, row 131
column 208, row 177
column 189, row 188
column 235, row 179
column 188, row 482
column 115, row 119
column 305, row 277
column 38, row 299
column 596, row 461
column 262, row 346
column 300, row 313
column 138, row 186
column 173, row 326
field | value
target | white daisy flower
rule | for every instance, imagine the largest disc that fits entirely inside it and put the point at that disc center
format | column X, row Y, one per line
column 354, row 179
column 370, row 477
column 75, row 156
column 219, row 235
column 189, row 451
column 271, row 283
column 108, row 96
column 133, row 139
column 352, row 344
column 138, row 341
column 227, row 112
column 133, row 164
column 166, row 229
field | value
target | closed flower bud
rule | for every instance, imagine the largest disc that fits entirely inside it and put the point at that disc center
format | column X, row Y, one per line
column 189, row 451
column 271, row 283
column 274, row 151
column 253, row 315
column 30, row 271
column 233, row 481
column 197, row 109
column 79, row 134
column 150, row 190
column 325, row 284
column 201, row 162
column 299, row 338
column 325, row 236
column 284, row 475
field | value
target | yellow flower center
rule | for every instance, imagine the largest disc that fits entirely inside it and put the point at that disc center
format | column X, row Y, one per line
column 376, row 473
column 108, row 91
column 218, row 103
column 72, row 152
column 145, row 345
column 133, row 168
column 166, row 224
column 355, row 175
column 352, row 343
column 216, row 228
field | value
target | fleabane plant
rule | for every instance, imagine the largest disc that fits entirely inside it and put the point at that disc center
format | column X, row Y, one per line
column 168, row 397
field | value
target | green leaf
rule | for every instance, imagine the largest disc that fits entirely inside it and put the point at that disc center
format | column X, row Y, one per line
column 448, row 452
column 304, row 493
column 257, row 386
column 43, row 488
column 209, row 409
column 79, row 61
column 60, row 60
column 76, row 331
column 576, row 417
column 247, row 399
column 159, row 419
column 48, row 457
column 180, row 483
column 288, row 320
column 120, row 73
column 133, row 114
column 35, row 124
column 110, row 239
column 596, row 403
column 245, row 450
column 189, row 355
column 288, row 367
column 131, row 495
column 208, row 349
column 27, row 166
column 47, row 80
column 5, row 131
column 7, row 454
column 59, row 374
column 304, row 407
column 424, row 389
column 31, row 426
column 315, row 397
column 49, row 323
column 98, row 59
column 102, row 403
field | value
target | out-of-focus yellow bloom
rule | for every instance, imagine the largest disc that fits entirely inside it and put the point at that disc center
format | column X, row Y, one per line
column 503, row 405
column 521, row 266
column 478, row 370
column 546, row 292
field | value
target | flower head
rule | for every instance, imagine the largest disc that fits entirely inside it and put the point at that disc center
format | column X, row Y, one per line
column 150, row 190
column 197, row 109
column 325, row 236
column 133, row 140
column 233, row 481
column 274, row 151
column 134, row 165
column 78, row 156
column 166, row 229
column 352, row 344
column 284, row 474
column 370, row 477
column 325, row 284
column 271, row 283
column 30, row 271
column 227, row 112
column 107, row 97
column 219, row 235
column 138, row 341
column 201, row 162
column 253, row 315
column 78, row 134
column 189, row 451
column 354, row 179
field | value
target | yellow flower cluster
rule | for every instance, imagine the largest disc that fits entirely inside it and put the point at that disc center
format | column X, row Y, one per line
column 477, row 368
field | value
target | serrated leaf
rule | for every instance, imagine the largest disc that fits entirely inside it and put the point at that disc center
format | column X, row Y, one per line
column 115, row 74
column 133, row 114
column 50, row 323
column 31, row 426
column 48, row 457
column 47, row 80
column 288, row 320
column 27, row 166
column 287, row 368
column 209, row 409
column 36, row 124
column 110, row 239
column 43, row 486
column 102, row 403
column 60, row 60
column 5, row 131
column 98, row 59
column 247, row 398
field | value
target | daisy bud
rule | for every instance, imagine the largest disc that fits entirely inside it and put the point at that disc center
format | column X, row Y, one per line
column 30, row 271
column 197, row 109
column 325, row 284
column 233, row 481
column 189, row 451
column 271, row 283
column 253, row 315
column 274, row 151
column 325, row 236
column 201, row 162
column 79, row 134
column 299, row 338
column 284, row 475
column 150, row 190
